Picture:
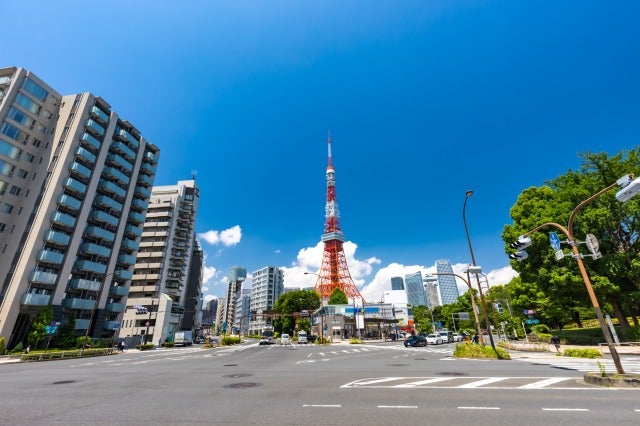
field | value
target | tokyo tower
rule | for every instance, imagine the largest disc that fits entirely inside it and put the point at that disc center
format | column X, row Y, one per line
column 334, row 272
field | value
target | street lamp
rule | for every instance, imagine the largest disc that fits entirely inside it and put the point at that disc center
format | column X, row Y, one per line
column 467, row 281
column 469, row 193
column 630, row 188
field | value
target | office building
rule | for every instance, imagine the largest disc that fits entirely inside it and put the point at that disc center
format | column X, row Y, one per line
column 447, row 283
column 397, row 283
column 192, row 317
column 237, row 276
column 161, row 275
column 416, row 295
column 242, row 315
column 266, row 288
column 432, row 291
column 76, row 179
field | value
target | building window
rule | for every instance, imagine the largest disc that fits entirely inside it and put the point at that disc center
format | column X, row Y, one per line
column 6, row 208
column 14, row 191
column 9, row 150
column 2, row 226
column 35, row 89
column 22, row 174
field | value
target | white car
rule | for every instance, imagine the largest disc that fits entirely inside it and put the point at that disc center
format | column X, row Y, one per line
column 458, row 337
column 285, row 339
column 434, row 339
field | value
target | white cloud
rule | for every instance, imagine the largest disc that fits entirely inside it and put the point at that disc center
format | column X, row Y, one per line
column 208, row 273
column 227, row 237
column 209, row 297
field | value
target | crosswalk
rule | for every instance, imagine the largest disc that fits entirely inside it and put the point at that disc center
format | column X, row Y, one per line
column 521, row 383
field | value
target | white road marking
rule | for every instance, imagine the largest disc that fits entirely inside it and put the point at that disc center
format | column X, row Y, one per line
column 397, row 406
column 478, row 408
column 423, row 382
column 542, row 383
column 482, row 382
column 384, row 379
column 565, row 409
column 322, row 405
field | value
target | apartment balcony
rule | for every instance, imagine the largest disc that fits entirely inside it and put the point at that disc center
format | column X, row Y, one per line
column 89, row 266
column 123, row 149
column 148, row 169
column 67, row 201
column 111, row 325
column 75, row 186
column 135, row 216
column 111, row 188
column 90, row 141
column 57, row 238
column 150, row 157
column 33, row 299
column 142, row 192
column 95, row 249
column 78, row 170
column 96, row 232
column 115, row 307
column 104, row 201
column 82, row 324
column 86, row 285
column 48, row 256
column 120, row 291
column 103, row 217
column 84, row 155
column 126, row 136
column 80, row 304
column 129, row 244
column 43, row 278
column 139, row 204
column 94, row 127
column 133, row 231
column 127, row 259
column 62, row 219
column 152, row 234
column 117, row 160
column 123, row 274
column 99, row 115
column 115, row 174
column 145, row 180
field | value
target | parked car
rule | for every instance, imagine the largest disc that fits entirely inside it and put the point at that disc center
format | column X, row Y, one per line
column 285, row 339
column 302, row 337
column 415, row 341
column 434, row 339
column 447, row 336
column 458, row 337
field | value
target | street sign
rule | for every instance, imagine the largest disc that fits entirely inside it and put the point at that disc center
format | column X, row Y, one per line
column 529, row 311
column 532, row 321
column 554, row 240
column 463, row 315
column 592, row 243
column 559, row 254
column 116, row 325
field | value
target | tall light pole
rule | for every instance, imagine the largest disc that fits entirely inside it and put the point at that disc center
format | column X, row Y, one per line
column 469, row 193
column 467, row 281
column 629, row 189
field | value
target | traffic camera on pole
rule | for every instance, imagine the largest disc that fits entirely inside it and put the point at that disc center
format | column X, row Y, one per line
column 520, row 244
column 629, row 188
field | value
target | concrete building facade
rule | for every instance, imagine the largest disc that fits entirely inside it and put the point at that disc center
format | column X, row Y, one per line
column 90, row 176
column 266, row 288
column 237, row 276
column 161, row 274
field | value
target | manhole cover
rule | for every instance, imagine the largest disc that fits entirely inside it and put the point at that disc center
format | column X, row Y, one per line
column 241, row 385
column 397, row 365
column 452, row 373
column 235, row 376
column 63, row 382
column 231, row 365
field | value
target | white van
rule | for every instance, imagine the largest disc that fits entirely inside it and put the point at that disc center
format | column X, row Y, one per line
column 284, row 339
column 302, row 337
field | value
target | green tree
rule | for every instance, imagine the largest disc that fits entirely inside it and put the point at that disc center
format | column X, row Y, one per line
column 38, row 331
column 293, row 302
column 561, row 294
column 338, row 297
column 66, row 337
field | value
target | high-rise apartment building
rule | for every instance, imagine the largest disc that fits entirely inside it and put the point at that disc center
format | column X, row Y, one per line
column 447, row 283
column 76, row 180
column 242, row 316
column 160, row 278
column 397, row 283
column 416, row 295
column 237, row 276
column 222, row 305
column 267, row 285
column 192, row 317
column 209, row 314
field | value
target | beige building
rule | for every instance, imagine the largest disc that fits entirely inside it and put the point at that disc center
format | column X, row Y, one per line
column 71, row 238
column 161, row 273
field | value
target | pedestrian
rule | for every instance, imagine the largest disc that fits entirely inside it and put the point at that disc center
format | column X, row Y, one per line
column 555, row 340
column 476, row 338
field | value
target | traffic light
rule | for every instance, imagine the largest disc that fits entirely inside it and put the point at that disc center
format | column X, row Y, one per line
column 520, row 244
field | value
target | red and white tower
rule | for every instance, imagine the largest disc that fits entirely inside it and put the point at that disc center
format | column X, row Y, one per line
column 334, row 272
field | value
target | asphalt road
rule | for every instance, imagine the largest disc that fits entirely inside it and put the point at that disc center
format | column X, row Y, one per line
column 371, row 384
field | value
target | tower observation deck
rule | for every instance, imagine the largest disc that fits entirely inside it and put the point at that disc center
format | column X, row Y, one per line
column 334, row 272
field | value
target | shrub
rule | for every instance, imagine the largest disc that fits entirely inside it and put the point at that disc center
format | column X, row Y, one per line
column 540, row 329
column 168, row 344
column 355, row 341
column 473, row 350
column 145, row 347
column 1, row 345
column 582, row 353
column 230, row 340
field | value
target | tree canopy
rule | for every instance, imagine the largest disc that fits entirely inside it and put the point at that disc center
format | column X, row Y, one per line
column 294, row 302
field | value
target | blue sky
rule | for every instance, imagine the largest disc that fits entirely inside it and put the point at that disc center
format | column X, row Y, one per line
column 423, row 99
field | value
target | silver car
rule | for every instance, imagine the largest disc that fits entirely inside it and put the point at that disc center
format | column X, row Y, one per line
column 434, row 339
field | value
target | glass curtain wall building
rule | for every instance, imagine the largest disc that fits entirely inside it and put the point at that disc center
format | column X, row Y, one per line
column 447, row 283
column 416, row 295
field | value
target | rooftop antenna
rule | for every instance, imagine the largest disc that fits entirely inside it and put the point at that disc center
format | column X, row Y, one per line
column 194, row 173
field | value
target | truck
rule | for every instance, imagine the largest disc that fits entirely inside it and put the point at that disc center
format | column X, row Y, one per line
column 183, row 338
